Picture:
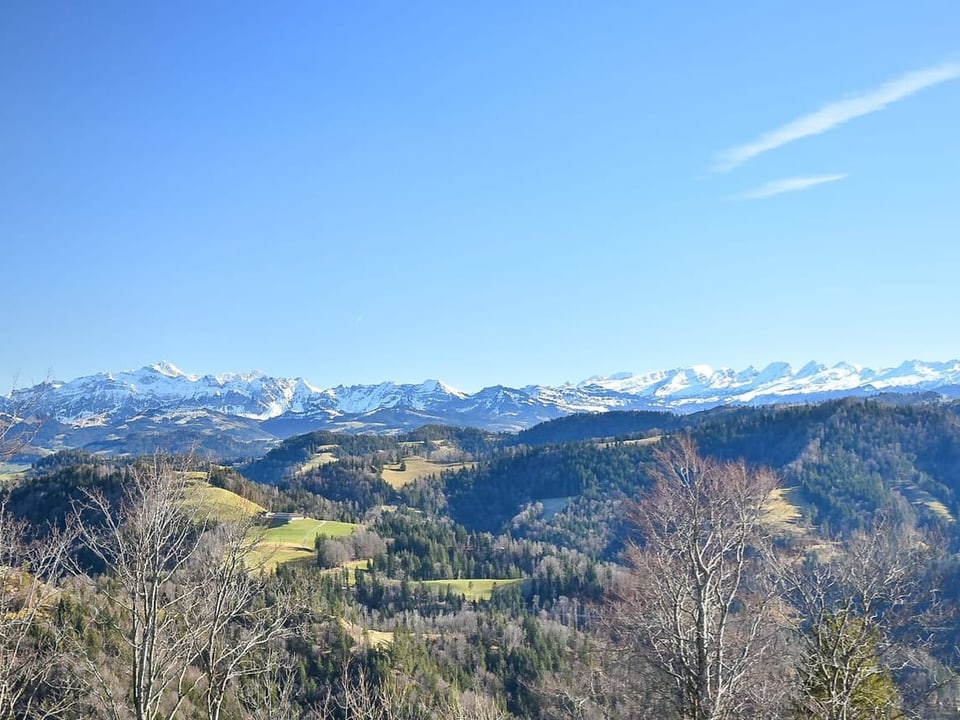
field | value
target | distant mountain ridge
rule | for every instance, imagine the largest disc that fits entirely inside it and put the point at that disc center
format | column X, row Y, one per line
column 160, row 397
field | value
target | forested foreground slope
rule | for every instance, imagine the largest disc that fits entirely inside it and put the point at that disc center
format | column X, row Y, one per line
column 460, row 573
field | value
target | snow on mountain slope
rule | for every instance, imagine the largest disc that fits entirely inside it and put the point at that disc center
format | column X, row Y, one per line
column 252, row 395
column 702, row 386
column 358, row 399
column 110, row 398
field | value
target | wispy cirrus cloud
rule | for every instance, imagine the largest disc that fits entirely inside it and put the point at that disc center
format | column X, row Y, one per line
column 837, row 113
column 786, row 185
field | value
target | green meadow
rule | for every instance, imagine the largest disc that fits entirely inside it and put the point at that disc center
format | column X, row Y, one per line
column 472, row 588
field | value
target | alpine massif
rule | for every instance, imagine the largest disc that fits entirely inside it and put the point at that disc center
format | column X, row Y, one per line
column 129, row 411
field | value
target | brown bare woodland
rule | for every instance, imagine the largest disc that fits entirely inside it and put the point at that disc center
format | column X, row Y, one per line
column 183, row 597
column 31, row 652
column 700, row 608
column 870, row 611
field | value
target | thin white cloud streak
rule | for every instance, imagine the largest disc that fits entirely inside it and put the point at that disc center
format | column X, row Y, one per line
column 837, row 113
column 778, row 187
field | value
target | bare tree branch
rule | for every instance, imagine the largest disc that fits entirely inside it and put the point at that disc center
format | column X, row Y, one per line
column 700, row 603
column 146, row 545
column 34, row 677
column 234, row 622
column 866, row 614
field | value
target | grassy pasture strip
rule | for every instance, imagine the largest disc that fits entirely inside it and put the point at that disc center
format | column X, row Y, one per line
column 11, row 471
column 604, row 444
column 916, row 496
column 409, row 445
column 417, row 467
column 302, row 533
column 779, row 510
column 220, row 504
column 321, row 458
column 351, row 568
column 362, row 636
column 472, row 588
column 266, row 556
column 293, row 541
column 938, row 508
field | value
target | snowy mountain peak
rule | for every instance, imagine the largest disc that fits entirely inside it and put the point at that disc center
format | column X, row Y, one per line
column 170, row 370
column 811, row 368
column 438, row 386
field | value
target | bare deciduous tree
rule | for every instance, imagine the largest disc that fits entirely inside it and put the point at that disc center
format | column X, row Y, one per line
column 272, row 693
column 866, row 615
column 234, row 621
column 469, row 706
column 195, row 616
column 362, row 698
column 592, row 687
column 700, row 604
column 34, row 680
column 146, row 545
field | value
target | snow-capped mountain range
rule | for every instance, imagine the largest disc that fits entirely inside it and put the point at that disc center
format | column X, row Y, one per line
column 162, row 395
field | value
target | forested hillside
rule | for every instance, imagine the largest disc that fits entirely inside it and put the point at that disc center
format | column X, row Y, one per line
column 458, row 573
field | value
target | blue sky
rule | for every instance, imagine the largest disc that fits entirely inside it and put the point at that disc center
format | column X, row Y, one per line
column 482, row 193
